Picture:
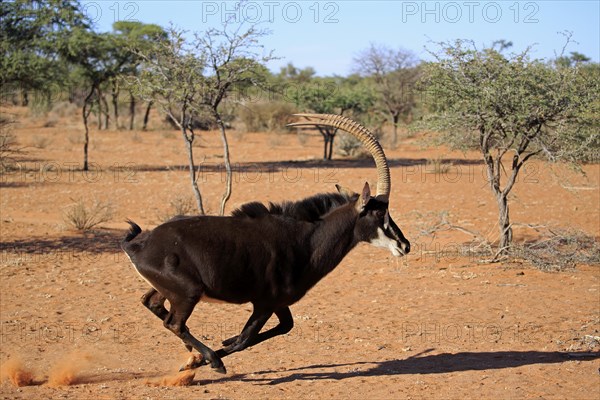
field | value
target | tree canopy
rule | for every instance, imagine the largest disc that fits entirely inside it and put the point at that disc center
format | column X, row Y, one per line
column 32, row 33
column 511, row 105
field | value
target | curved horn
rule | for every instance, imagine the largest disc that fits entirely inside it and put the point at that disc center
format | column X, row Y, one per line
column 366, row 138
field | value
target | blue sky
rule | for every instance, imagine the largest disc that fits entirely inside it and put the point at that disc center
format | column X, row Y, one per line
column 327, row 35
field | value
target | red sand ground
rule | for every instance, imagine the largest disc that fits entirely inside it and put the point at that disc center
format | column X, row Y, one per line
column 431, row 325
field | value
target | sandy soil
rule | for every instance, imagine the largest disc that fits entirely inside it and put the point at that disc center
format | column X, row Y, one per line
column 435, row 324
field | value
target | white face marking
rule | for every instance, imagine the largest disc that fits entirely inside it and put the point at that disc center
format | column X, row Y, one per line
column 385, row 242
column 136, row 270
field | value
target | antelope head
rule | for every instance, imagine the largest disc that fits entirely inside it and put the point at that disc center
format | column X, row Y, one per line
column 375, row 225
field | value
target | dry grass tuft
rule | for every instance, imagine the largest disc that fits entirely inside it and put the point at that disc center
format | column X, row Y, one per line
column 83, row 218
column 41, row 142
column 558, row 250
column 8, row 145
column 180, row 205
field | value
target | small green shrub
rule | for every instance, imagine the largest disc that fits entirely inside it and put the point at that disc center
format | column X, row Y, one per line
column 267, row 117
column 349, row 146
column 64, row 109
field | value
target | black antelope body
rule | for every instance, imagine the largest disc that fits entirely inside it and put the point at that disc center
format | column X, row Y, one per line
column 269, row 257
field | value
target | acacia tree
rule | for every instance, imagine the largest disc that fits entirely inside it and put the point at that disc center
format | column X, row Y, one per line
column 45, row 41
column 234, row 58
column 140, row 36
column 394, row 74
column 99, row 59
column 171, row 76
column 510, row 106
column 32, row 32
column 185, row 80
column 290, row 73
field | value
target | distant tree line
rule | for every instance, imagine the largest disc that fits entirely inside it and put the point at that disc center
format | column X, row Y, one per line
column 506, row 105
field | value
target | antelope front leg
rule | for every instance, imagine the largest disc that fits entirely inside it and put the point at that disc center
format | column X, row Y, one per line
column 249, row 334
column 206, row 355
column 286, row 323
column 246, row 338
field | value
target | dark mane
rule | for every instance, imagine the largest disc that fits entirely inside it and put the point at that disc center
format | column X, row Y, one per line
column 254, row 209
column 309, row 209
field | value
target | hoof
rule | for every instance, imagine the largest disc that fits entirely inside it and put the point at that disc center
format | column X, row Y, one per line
column 221, row 369
column 193, row 362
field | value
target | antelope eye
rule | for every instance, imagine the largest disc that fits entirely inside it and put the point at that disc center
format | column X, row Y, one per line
column 380, row 213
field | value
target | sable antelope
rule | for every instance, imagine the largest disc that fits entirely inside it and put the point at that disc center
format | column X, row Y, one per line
column 269, row 257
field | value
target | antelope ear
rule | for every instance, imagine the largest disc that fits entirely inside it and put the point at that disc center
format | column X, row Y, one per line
column 345, row 191
column 364, row 197
column 366, row 192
